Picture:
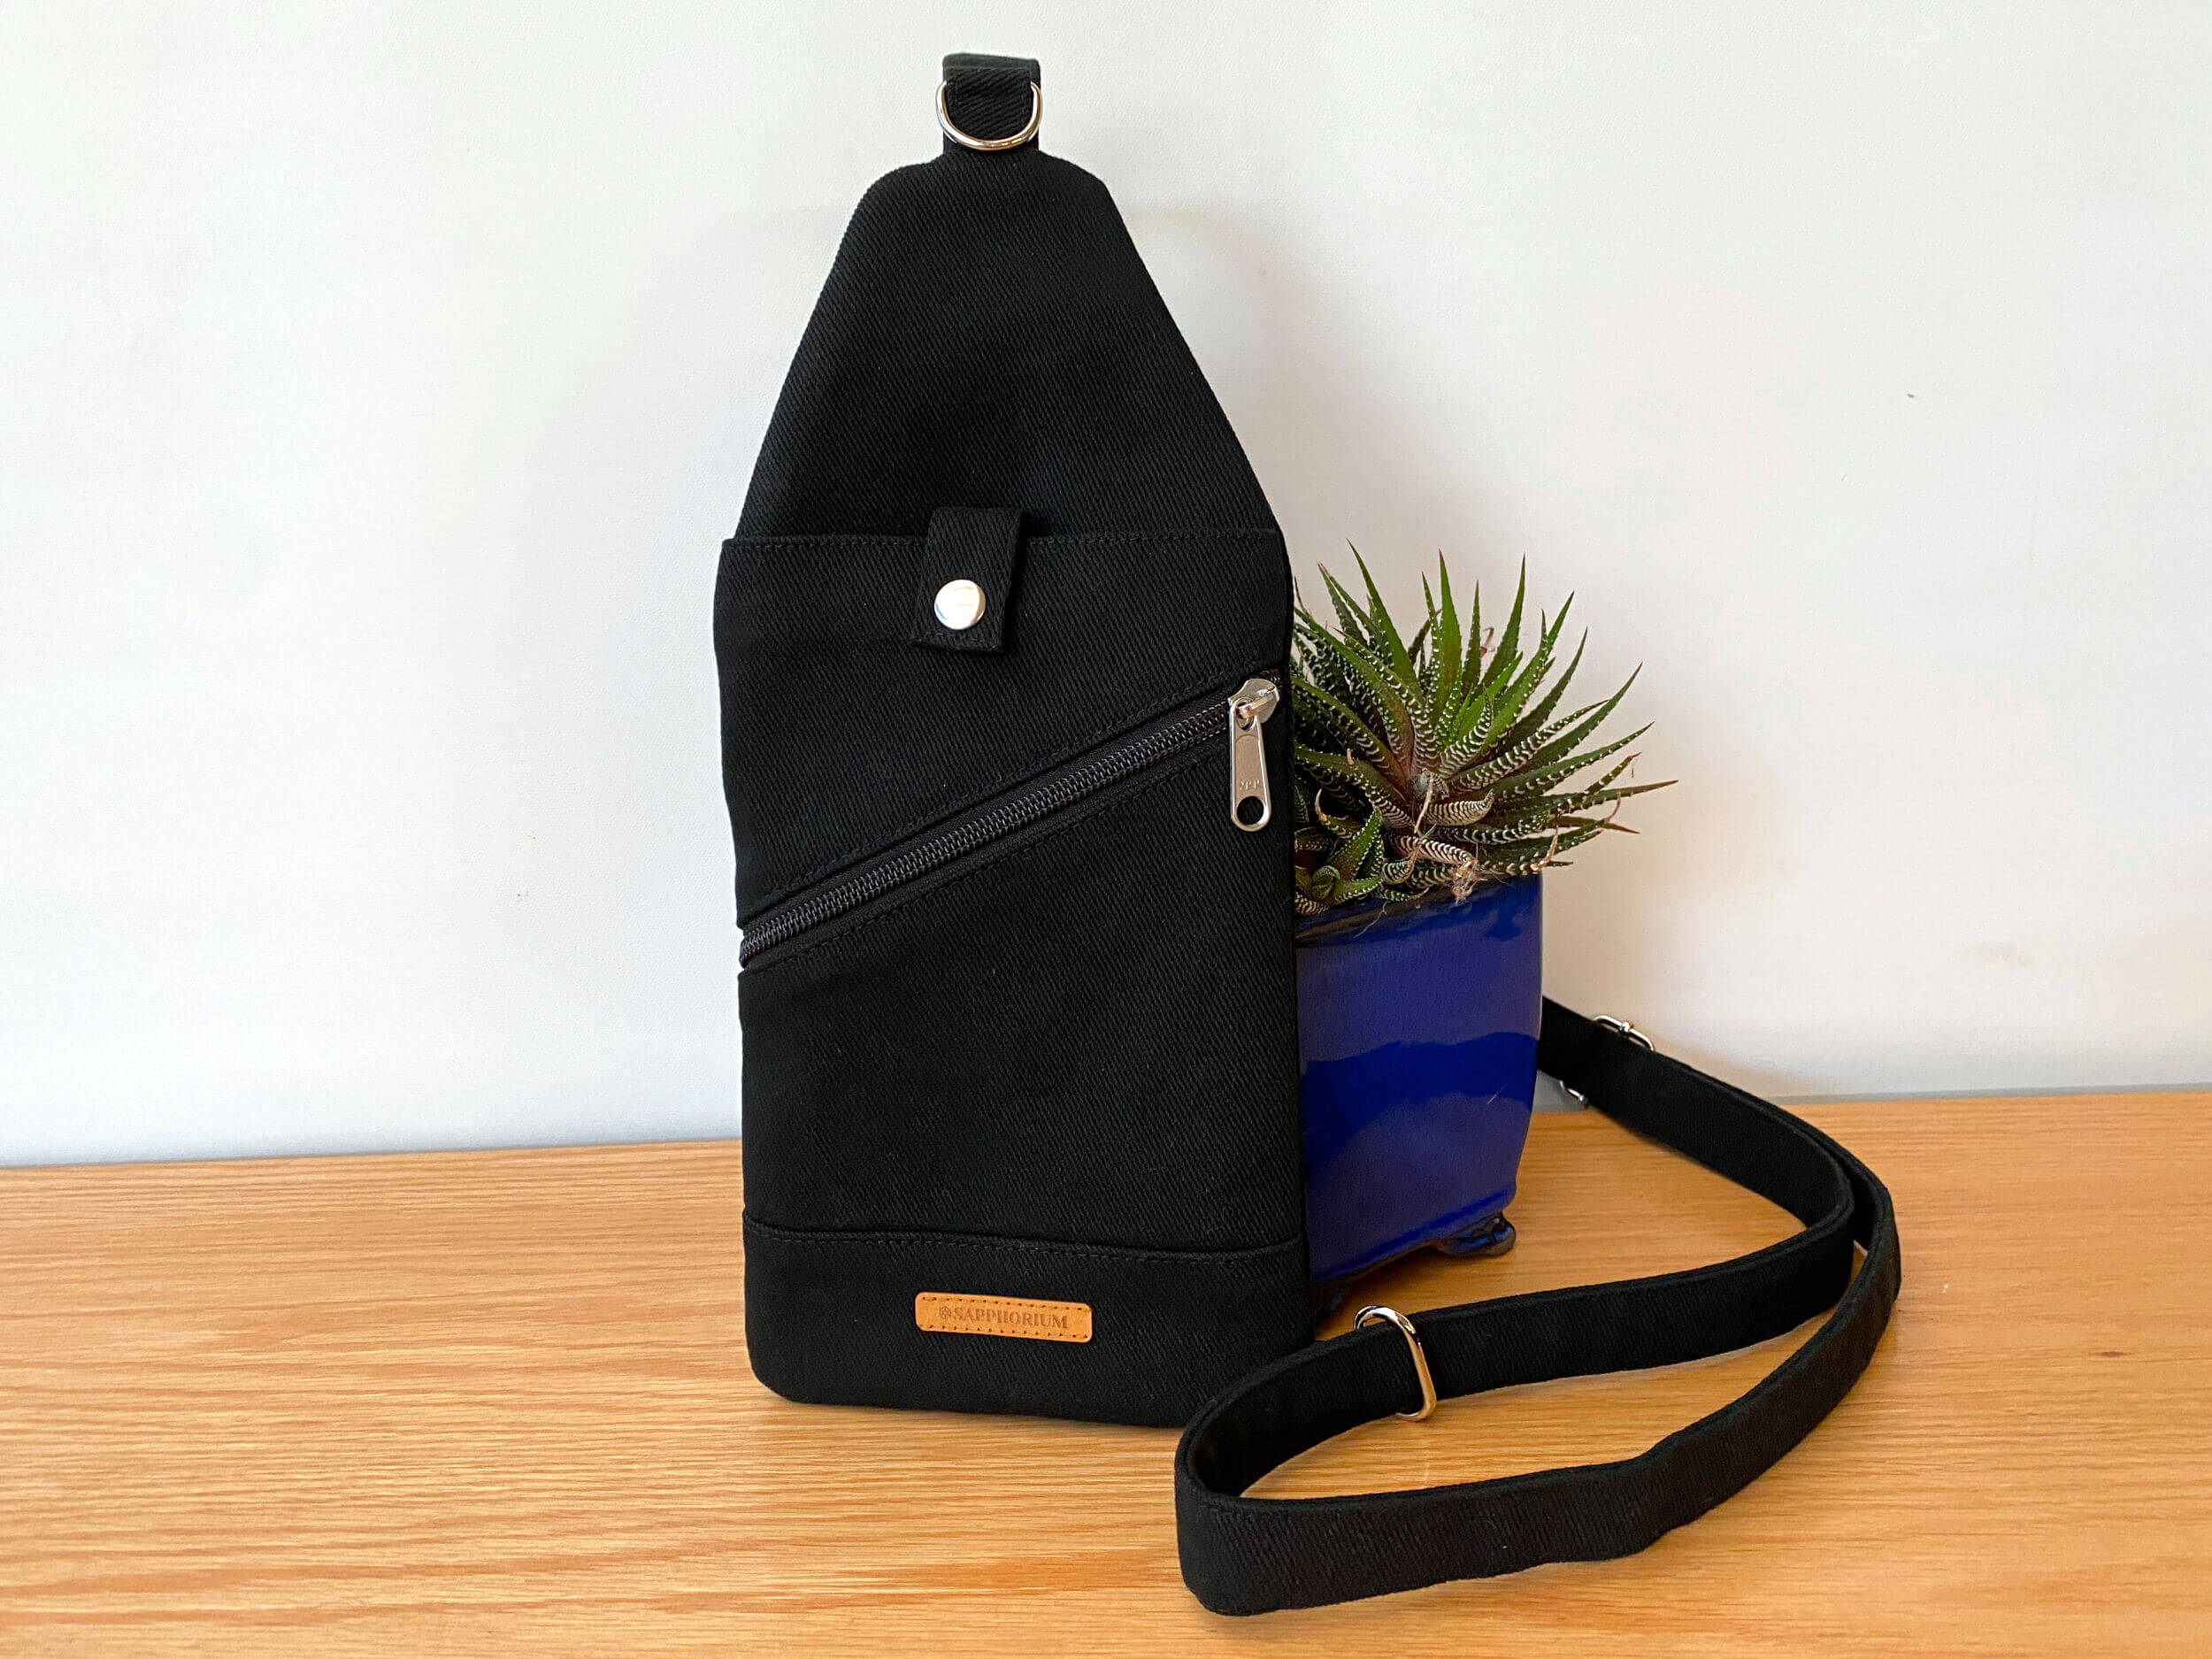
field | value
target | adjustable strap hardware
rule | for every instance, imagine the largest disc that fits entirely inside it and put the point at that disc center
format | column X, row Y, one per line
column 1379, row 1314
column 1621, row 1027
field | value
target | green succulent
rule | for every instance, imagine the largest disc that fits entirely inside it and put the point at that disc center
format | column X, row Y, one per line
column 1441, row 762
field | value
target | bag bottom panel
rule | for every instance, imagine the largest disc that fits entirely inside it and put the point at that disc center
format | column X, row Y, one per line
column 831, row 1318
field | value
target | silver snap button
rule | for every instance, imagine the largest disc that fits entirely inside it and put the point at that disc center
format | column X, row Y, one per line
column 959, row 604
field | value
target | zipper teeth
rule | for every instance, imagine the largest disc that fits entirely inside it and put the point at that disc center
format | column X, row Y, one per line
column 1162, row 744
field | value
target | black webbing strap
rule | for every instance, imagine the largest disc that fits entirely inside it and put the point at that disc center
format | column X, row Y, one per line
column 1245, row 1554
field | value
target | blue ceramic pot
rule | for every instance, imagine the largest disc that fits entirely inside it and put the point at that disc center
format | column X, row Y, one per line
column 1417, row 1035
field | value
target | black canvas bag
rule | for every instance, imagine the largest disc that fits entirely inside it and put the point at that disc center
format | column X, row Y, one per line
column 1001, row 636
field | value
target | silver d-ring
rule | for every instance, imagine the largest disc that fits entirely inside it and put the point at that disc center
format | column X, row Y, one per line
column 1378, row 1314
column 1036, row 119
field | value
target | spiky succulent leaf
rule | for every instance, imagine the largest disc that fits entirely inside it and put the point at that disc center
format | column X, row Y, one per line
column 1364, row 685
column 1438, row 761
column 1453, row 813
column 1444, row 631
column 1350, row 622
column 1509, row 642
column 1382, row 630
column 1540, row 775
column 1351, row 858
column 1558, row 741
column 1340, row 770
column 1321, row 710
column 1534, row 717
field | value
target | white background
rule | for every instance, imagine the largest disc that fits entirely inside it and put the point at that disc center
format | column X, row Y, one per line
column 380, row 380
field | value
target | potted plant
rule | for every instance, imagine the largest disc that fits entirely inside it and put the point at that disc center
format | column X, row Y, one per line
column 1435, row 778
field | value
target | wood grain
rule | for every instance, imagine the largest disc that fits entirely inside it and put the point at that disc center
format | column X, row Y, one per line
column 498, row 1402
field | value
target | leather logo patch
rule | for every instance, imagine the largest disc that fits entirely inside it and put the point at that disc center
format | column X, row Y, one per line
column 1004, row 1315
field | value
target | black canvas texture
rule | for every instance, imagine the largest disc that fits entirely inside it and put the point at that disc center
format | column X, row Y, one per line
column 1065, row 1066
column 1059, row 1061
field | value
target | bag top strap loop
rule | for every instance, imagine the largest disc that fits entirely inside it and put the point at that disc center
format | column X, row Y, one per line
column 989, row 104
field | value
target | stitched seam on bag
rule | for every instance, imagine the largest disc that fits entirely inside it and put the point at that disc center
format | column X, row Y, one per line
column 1119, row 727
column 1081, row 537
column 871, row 538
column 993, row 1242
column 987, row 857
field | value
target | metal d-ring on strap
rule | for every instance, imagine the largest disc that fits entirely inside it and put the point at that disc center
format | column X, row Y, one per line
column 1378, row 1314
column 1036, row 119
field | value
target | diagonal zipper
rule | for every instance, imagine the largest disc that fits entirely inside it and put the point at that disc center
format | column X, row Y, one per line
column 1238, row 715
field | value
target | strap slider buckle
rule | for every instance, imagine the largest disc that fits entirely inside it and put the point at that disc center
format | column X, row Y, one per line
column 1621, row 1027
column 1378, row 1314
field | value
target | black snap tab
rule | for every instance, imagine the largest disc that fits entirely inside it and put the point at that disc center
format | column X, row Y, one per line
column 964, row 590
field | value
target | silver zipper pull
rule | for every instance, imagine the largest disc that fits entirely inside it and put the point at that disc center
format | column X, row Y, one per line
column 1250, row 805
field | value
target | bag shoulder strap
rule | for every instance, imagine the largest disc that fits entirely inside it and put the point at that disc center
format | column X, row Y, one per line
column 1243, row 1554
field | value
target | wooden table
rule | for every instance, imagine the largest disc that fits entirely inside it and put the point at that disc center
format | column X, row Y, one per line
column 498, row 1403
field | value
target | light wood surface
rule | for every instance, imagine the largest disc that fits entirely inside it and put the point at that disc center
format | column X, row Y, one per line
column 498, row 1403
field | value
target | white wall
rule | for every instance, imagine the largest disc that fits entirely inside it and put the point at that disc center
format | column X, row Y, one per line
column 379, row 380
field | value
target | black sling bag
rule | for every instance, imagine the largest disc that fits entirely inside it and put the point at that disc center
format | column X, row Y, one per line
column 1001, row 634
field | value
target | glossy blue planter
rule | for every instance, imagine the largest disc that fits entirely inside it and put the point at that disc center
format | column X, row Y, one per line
column 1416, row 1036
